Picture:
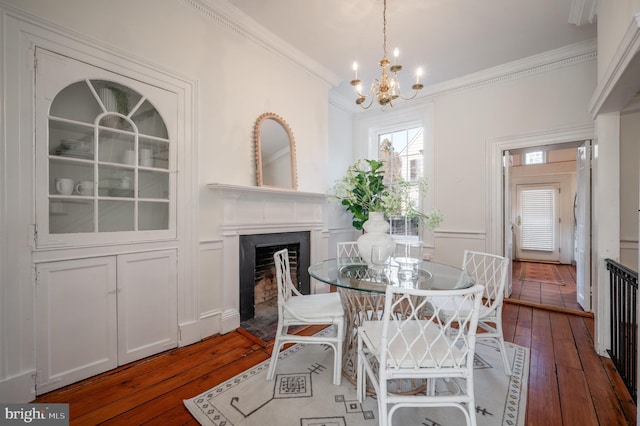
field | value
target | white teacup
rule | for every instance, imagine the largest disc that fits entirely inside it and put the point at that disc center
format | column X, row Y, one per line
column 85, row 187
column 64, row 186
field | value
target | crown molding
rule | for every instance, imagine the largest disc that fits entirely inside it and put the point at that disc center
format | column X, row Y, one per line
column 565, row 56
column 536, row 64
column 621, row 81
column 224, row 13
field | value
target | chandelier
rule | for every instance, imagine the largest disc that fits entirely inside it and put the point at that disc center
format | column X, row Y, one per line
column 387, row 89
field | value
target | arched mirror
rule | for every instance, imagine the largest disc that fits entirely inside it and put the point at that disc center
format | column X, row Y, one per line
column 275, row 152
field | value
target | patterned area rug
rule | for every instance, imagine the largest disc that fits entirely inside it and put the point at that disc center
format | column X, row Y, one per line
column 302, row 394
column 541, row 272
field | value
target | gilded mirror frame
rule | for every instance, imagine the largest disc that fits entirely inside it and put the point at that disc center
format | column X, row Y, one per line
column 260, row 141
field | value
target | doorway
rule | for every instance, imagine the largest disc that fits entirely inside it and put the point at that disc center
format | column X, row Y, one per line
column 501, row 221
column 543, row 210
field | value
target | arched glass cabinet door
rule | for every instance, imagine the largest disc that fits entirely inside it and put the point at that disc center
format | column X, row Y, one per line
column 108, row 160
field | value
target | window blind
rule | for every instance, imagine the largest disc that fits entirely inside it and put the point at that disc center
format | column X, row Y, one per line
column 537, row 221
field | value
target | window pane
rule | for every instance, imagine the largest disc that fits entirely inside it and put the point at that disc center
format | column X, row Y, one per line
column 537, row 157
column 402, row 151
column 537, row 206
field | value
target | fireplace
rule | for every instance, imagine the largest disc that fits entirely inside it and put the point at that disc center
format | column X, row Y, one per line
column 244, row 211
column 257, row 269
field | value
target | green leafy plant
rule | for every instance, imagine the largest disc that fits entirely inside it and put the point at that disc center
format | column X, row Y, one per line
column 122, row 99
column 364, row 189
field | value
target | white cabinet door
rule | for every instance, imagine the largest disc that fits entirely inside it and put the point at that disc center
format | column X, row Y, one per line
column 147, row 304
column 106, row 155
column 75, row 320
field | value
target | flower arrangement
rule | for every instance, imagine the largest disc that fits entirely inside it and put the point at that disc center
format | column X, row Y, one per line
column 364, row 189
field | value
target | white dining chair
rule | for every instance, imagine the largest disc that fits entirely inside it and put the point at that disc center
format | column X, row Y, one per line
column 410, row 343
column 347, row 253
column 491, row 271
column 295, row 308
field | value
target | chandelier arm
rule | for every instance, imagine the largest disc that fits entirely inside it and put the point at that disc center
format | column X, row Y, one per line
column 415, row 93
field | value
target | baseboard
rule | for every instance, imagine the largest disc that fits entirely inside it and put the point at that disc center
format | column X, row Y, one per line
column 189, row 333
column 18, row 389
column 229, row 321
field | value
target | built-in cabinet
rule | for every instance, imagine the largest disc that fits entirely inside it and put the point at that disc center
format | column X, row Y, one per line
column 94, row 314
column 105, row 155
column 105, row 190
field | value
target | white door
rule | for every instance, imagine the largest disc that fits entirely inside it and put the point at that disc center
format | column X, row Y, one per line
column 75, row 320
column 508, row 219
column 147, row 304
column 538, row 236
column 583, row 226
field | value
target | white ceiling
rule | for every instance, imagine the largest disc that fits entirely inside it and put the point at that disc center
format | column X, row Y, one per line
column 447, row 38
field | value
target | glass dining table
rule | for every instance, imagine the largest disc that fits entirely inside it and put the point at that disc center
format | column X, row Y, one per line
column 362, row 288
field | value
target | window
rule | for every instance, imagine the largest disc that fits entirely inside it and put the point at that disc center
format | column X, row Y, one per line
column 537, row 227
column 536, row 157
column 402, row 152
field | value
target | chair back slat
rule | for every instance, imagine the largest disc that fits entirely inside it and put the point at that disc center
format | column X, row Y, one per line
column 414, row 335
column 283, row 276
column 348, row 253
column 489, row 270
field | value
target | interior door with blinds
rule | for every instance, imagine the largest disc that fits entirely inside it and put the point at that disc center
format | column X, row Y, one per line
column 538, row 230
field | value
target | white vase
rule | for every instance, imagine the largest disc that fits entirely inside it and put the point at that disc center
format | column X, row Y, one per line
column 376, row 232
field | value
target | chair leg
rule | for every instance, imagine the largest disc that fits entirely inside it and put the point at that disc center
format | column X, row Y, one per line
column 361, row 379
column 337, row 353
column 274, row 358
column 505, row 358
column 503, row 349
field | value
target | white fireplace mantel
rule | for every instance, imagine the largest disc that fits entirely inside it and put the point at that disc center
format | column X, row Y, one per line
column 249, row 210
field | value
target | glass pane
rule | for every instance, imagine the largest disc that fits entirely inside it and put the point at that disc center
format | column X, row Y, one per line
column 76, row 102
column 116, row 147
column 70, row 140
column 115, row 97
column 65, row 175
column 115, row 181
column 153, row 184
column 153, row 216
column 149, row 122
column 116, row 122
column 153, row 153
column 115, row 216
column 70, row 216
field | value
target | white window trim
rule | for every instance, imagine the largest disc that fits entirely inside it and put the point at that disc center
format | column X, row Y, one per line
column 367, row 127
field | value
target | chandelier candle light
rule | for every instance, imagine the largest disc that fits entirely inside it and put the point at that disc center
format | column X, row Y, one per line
column 387, row 89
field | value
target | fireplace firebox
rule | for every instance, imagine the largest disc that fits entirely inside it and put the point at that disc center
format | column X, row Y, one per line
column 257, row 269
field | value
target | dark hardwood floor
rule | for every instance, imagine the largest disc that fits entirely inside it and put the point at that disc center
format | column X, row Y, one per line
column 561, row 295
column 569, row 384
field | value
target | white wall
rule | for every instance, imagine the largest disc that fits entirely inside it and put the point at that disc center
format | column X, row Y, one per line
column 340, row 156
column 629, row 188
column 236, row 79
column 466, row 119
column 614, row 18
